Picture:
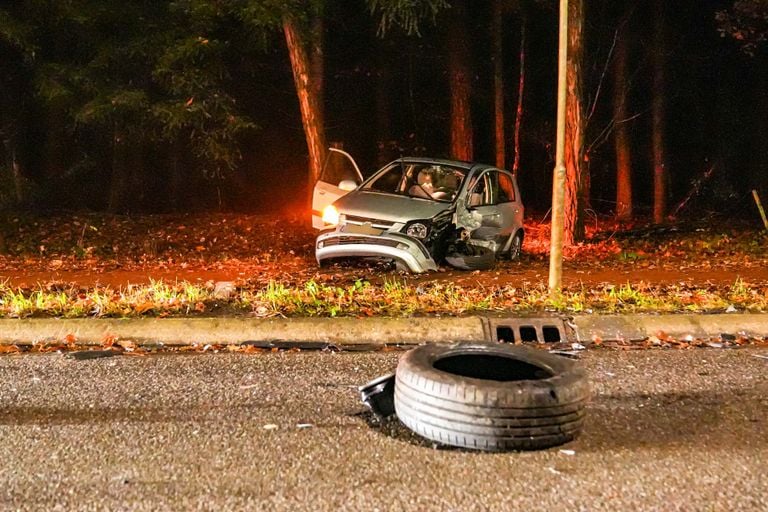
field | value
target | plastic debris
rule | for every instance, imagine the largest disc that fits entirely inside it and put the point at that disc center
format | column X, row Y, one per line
column 379, row 395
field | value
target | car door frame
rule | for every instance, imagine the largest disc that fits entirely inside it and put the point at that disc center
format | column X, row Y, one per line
column 325, row 192
column 507, row 216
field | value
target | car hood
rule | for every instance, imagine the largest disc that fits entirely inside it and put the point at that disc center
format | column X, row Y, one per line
column 388, row 207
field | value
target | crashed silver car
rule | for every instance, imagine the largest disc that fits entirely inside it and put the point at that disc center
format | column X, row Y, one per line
column 418, row 212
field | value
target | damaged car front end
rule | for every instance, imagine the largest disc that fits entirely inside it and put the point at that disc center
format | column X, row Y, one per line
column 415, row 245
column 413, row 211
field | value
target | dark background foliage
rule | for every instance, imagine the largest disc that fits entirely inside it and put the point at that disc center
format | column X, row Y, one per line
column 188, row 105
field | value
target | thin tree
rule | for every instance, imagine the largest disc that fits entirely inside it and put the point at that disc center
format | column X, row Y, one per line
column 621, row 139
column 658, row 115
column 520, row 90
column 574, row 143
column 497, row 22
column 317, row 61
column 460, row 83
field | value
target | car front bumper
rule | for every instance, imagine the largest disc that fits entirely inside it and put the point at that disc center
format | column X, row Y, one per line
column 396, row 246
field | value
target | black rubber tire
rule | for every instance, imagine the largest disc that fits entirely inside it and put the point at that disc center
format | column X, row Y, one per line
column 480, row 413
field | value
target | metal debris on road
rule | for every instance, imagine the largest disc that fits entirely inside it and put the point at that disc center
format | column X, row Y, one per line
column 571, row 354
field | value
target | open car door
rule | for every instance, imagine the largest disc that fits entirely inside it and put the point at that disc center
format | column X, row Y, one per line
column 339, row 176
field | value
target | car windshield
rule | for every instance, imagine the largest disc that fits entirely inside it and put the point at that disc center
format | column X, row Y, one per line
column 418, row 179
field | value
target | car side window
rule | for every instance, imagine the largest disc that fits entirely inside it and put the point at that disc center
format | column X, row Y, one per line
column 506, row 188
column 481, row 194
column 492, row 188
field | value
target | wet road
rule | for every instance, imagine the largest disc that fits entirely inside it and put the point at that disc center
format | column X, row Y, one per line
column 666, row 431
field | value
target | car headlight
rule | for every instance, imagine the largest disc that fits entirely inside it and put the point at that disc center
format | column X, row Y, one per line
column 331, row 215
column 417, row 230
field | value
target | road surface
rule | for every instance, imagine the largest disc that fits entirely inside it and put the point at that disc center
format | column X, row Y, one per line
column 666, row 430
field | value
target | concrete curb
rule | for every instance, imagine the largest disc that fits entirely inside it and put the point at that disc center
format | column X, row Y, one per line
column 638, row 327
column 235, row 331
column 361, row 333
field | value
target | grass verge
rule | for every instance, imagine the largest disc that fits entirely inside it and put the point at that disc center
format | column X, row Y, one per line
column 392, row 298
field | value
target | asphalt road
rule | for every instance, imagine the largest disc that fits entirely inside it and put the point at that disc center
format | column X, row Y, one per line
column 666, row 430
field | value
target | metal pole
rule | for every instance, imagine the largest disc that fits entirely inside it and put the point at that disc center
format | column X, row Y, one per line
column 558, row 175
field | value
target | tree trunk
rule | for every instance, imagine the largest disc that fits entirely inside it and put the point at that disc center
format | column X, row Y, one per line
column 659, row 117
column 520, row 91
column 317, row 65
column 120, row 176
column 308, row 101
column 462, row 147
column 498, row 82
column 574, row 138
column 621, row 132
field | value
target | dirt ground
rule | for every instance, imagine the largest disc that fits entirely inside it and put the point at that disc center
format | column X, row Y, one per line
column 522, row 274
column 99, row 250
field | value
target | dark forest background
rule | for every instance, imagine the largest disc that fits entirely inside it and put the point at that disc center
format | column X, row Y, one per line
column 158, row 106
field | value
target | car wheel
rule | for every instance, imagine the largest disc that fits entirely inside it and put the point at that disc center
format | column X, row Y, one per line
column 515, row 247
column 490, row 397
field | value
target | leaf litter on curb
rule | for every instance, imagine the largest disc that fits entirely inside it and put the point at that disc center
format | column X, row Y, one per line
column 109, row 348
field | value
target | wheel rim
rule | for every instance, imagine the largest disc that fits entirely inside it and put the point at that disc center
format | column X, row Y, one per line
column 514, row 248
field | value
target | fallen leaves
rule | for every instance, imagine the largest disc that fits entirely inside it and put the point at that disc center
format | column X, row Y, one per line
column 259, row 251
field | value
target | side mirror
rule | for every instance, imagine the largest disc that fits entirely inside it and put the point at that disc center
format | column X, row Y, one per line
column 347, row 185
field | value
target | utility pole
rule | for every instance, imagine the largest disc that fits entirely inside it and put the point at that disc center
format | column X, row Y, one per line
column 558, row 175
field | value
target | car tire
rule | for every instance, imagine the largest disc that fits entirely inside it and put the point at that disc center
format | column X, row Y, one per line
column 490, row 397
column 515, row 247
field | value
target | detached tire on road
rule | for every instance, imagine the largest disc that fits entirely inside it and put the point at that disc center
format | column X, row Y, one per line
column 490, row 396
